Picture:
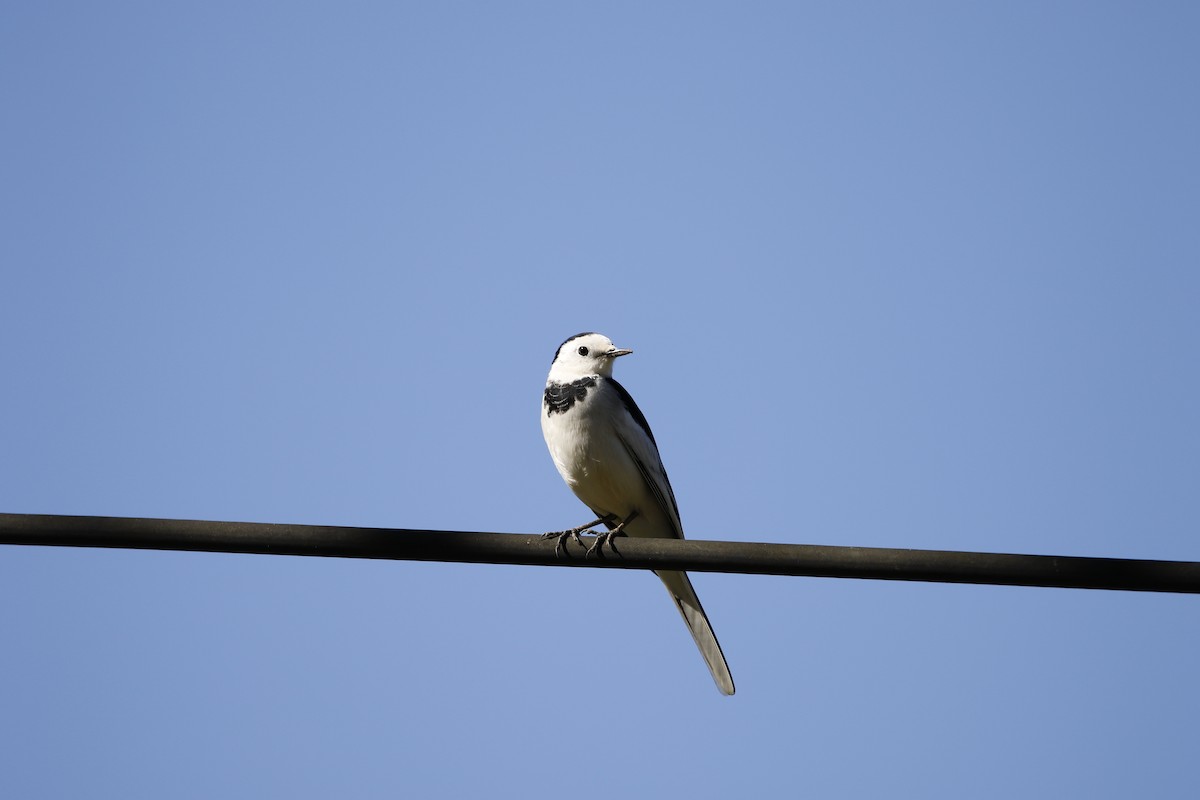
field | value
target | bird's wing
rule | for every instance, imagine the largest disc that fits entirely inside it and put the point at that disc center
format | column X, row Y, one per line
column 635, row 435
column 637, row 438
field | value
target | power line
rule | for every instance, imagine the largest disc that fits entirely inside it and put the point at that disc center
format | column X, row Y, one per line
column 824, row 561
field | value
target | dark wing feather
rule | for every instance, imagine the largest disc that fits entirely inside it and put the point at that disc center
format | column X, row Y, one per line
column 663, row 493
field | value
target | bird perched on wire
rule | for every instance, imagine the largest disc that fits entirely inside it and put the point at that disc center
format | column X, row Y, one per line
column 604, row 450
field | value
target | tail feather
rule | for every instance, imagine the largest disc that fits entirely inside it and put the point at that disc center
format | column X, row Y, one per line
column 680, row 587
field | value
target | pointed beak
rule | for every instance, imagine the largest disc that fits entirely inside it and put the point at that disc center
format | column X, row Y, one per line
column 615, row 352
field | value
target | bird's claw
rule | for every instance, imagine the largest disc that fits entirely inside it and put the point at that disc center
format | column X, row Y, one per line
column 560, row 537
column 597, row 545
column 605, row 538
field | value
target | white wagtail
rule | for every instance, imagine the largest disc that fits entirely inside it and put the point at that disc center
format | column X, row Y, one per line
column 603, row 448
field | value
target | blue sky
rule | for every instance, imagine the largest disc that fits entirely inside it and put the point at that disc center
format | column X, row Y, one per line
column 902, row 275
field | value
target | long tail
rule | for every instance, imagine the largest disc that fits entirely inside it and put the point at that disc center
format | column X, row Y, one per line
column 688, row 603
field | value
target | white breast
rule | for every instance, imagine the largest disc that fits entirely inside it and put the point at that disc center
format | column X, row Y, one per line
column 589, row 455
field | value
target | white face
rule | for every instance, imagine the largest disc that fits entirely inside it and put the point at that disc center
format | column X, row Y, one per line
column 586, row 354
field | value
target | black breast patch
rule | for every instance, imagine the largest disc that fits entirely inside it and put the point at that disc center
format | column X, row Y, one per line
column 560, row 397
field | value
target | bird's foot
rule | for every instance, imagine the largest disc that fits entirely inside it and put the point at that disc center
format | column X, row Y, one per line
column 560, row 540
column 560, row 537
column 606, row 538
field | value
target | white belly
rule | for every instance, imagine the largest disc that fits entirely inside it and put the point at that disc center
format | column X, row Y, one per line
column 595, row 464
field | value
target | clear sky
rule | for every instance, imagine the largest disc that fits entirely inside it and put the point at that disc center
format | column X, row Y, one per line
column 895, row 274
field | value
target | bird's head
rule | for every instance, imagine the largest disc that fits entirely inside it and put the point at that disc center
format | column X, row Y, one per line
column 585, row 354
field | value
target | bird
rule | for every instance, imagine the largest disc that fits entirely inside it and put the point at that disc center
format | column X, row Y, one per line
column 604, row 450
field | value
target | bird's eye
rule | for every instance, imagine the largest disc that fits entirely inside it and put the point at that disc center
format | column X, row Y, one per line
column 583, row 351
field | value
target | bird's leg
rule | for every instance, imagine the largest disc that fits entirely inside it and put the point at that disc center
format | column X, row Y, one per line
column 562, row 536
column 606, row 537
